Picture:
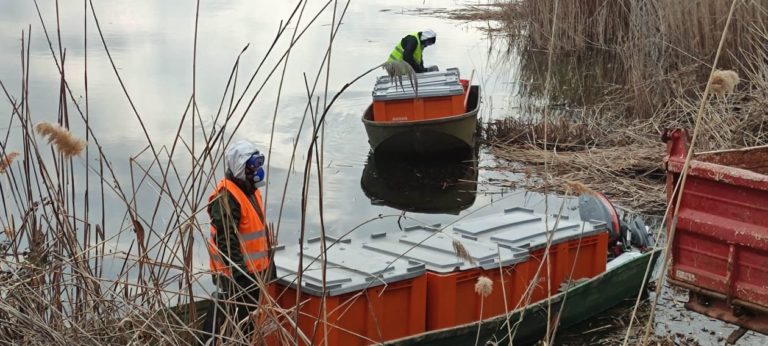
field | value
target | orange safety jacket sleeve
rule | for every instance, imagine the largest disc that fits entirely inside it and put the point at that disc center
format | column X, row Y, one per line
column 226, row 223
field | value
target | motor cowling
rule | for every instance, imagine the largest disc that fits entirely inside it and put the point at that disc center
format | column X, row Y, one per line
column 596, row 207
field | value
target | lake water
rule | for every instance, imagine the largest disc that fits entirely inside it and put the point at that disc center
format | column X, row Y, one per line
column 151, row 44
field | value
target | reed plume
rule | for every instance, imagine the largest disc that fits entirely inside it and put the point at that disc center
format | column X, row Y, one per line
column 6, row 161
column 9, row 233
column 461, row 251
column 63, row 140
column 484, row 286
column 577, row 188
column 723, row 82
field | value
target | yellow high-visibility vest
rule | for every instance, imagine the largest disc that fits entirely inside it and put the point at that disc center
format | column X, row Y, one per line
column 397, row 53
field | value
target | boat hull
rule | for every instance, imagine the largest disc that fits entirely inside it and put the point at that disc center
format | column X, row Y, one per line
column 581, row 302
column 454, row 133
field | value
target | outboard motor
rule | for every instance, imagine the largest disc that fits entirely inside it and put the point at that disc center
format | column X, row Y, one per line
column 622, row 234
column 597, row 208
column 639, row 235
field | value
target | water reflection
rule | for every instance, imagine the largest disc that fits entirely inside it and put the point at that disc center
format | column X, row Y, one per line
column 151, row 44
column 435, row 186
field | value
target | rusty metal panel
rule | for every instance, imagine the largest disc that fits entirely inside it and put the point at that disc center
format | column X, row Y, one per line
column 720, row 247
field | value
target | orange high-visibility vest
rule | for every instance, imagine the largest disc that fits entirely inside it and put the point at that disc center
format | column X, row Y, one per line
column 251, row 233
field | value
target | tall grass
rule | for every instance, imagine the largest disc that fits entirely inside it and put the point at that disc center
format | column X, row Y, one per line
column 580, row 24
column 624, row 72
column 655, row 27
column 56, row 241
column 664, row 45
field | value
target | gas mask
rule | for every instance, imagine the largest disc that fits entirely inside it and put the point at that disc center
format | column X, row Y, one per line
column 254, row 169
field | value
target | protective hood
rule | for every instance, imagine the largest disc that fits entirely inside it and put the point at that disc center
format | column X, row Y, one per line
column 427, row 34
column 236, row 155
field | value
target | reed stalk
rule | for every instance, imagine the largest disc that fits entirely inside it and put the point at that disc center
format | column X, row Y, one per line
column 53, row 283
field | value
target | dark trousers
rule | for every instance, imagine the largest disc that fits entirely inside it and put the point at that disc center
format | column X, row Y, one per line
column 235, row 300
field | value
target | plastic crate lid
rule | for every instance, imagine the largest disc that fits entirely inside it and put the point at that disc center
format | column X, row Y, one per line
column 522, row 228
column 428, row 84
column 349, row 268
column 436, row 250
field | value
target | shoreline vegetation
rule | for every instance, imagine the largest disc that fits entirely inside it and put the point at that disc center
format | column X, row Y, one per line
column 622, row 72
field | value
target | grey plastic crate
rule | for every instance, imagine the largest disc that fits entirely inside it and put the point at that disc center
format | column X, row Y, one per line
column 522, row 228
column 429, row 84
column 435, row 249
column 349, row 268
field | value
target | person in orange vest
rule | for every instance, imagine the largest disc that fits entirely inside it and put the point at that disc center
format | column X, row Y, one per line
column 239, row 242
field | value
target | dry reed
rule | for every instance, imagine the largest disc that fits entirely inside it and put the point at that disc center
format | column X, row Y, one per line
column 68, row 286
column 63, row 140
column 484, row 286
column 661, row 45
column 577, row 188
column 7, row 160
column 461, row 251
column 9, row 233
column 561, row 133
column 723, row 82
column 620, row 153
column 660, row 27
column 629, row 175
column 483, row 12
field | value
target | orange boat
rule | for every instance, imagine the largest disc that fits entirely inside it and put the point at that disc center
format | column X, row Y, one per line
column 437, row 113
column 477, row 279
column 419, row 285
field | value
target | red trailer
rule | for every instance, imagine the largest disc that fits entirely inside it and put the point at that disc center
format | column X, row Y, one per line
column 720, row 247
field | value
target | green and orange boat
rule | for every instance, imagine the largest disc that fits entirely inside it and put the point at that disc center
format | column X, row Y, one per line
column 437, row 112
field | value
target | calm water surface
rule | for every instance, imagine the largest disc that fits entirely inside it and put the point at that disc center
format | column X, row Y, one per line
column 151, row 43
